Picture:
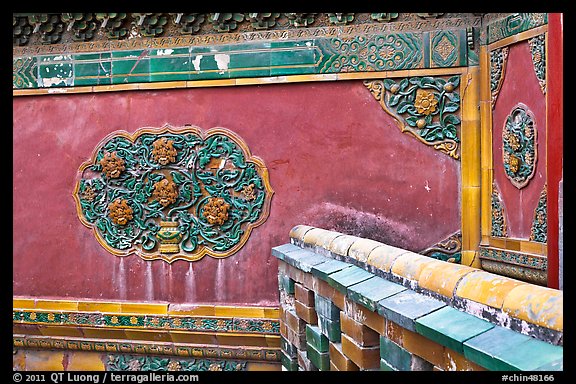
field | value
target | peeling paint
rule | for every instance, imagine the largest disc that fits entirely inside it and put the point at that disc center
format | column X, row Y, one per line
column 222, row 61
column 196, row 62
column 163, row 52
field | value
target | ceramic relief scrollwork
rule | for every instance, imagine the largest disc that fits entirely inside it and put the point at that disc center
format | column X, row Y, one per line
column 173, row 193
column 539, row 230
column 519, row 144
column 160, row 363
column 447, row 250
column 538, row 51
column 498, row 60
column 498, row 218
column 425, row 107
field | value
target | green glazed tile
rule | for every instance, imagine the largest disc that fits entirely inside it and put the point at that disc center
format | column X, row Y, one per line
column 384, row 366
column 288, row 348
column 250, row 60
column 500, row 349
column 451, row 327
column 325, row 307
column 290, row 363
column 170, row 64
column 406, row 306
column 330, row 328
column 130, row 67
column 316, row 339
column 304, row 259
column 370, row 291
column 330, row 266
column 320, row 360
column 396, row 356
column 341, row 280
column 281, row 250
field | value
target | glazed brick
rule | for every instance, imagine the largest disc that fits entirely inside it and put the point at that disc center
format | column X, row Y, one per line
column 325, row 307
column 347, row 277
column 340, row 361
column 330, row 328
column 454, row 361
column 385, row 366
column 281, row 250
column 304, row 362
column 286, row 283
column 294, row 322
column 337, row 298
column 503, row 349
column 360, row 333
column 420, row 346
column 363, row 357
column 316, row 339
column 405, row 307
column 304, row 295
column 372, row 290
column 451, row 327
column 328, row 267
column 303, row 259
column 395, row 355
column 306, row 313
column 290, row 363
column 362, row 314
column 320, row 360
column 287, row 347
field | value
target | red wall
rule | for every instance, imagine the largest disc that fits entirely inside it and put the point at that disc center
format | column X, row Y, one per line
column 336, row 161
column 520, row 85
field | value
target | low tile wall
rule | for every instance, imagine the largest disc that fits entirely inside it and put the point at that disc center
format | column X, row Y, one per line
column 348, row 303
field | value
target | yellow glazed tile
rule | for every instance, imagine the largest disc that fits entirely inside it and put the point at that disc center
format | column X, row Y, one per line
column 498, row 242
column 513, row 244
column 442, row 277
column 191, row 310
column 238, row 339
column 453, row 361
column 103, row 333
column 85, row 361
column 532, row 247
column 535, row 304
column 312, row 236
column 146, row 308
column 272, row 341
column 272, row 313
column 486, row 202
column 253, row 366
column 25, row 329
column 470, row 218
column 486, row 288
column 147, row 335
column 361, row 248
column 383, row 256
column 59, row 331
column 231, row 311
column 193, row 337
column 325, row 240
column 410, row 265
column 96, row 306
column 299, row 231
column 341, row 244
column 22, row 303
column 209, row 83
column 58, row 305
column 44, row 360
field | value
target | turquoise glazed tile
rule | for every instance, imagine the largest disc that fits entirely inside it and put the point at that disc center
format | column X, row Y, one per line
column 396, row 356
column 250, row 60
column 24, row 72
column 330, row 266
column 290, row 363
column 384, row 366
column 288, row 348
column 170, row 64
column 501, row 349
column 405, row 307
column 451, row 327
column 293, row 57
column 55, row 71
column 287, row 283
column 130, row 67
column 315, row 338
column 370, row 291
column 281, row 250
column 210, row 62
column 92, row 69
column 343, row 279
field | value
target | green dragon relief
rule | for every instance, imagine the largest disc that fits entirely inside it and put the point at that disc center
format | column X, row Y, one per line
column 173, row 193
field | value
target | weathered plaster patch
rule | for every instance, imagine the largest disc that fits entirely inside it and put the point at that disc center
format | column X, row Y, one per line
column 163, row 52
column 196, row 62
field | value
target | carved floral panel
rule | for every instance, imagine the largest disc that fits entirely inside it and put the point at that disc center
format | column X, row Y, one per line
column 173, row 193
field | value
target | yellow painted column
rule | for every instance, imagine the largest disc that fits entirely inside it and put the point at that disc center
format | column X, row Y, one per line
column 470, row 167
column 487, row 168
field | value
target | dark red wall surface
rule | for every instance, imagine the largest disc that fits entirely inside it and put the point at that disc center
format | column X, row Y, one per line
column 520, row 85
column 336, row 161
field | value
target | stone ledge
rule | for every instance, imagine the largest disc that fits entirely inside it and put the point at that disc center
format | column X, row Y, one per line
column 523, row 307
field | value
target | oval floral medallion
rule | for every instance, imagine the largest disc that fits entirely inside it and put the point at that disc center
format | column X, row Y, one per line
column 173, row 193
column 519, row 146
